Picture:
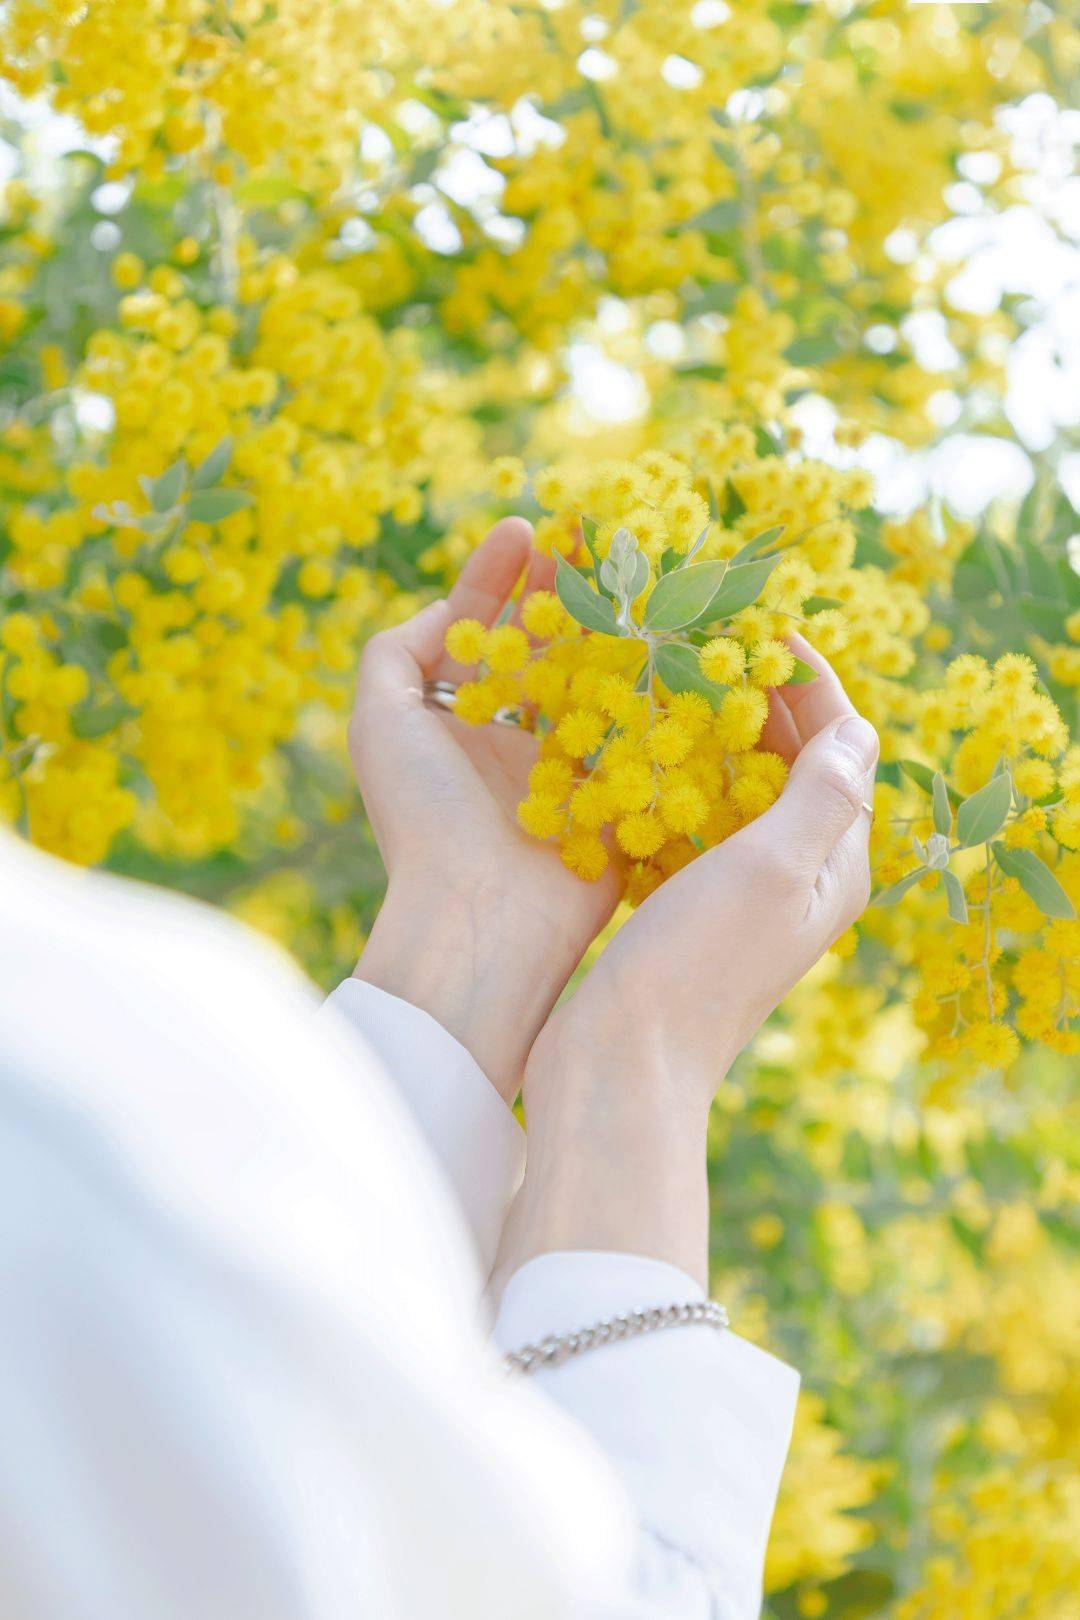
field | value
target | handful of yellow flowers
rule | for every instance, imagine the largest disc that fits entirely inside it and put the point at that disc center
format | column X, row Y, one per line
column 682, row 579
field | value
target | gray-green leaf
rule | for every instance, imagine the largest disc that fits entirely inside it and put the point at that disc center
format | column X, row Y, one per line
column 213, row 469
column 166, row 490
column 741, row 586
column 681, row 597
column 983, row 814
column 889, row 896
column 1036, row 879
column 954, row 894
column 802, row 674
column 923, row 777
column 583, row 604
column 639, row 577
column 942, row 807
column 758, row 543
column 211, row 505
column 677, row 666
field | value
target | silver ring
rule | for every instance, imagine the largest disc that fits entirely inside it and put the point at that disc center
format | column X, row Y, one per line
column 443, row 695
column 440, row 694
column 869, row 810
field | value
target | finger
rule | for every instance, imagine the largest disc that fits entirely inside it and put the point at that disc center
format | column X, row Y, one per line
column 396, row 662
column 486, row 581
column 830, row 783
column 779, row 734
column 812, row 705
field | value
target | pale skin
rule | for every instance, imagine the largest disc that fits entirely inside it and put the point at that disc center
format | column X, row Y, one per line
column 483, row 926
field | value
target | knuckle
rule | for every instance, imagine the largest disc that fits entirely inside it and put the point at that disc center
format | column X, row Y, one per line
column 841, row 787
column 373, row 652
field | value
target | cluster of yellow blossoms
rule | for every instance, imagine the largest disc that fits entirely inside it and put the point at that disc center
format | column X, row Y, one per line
column 648, row 675
column 651, row 729
column 324, row 290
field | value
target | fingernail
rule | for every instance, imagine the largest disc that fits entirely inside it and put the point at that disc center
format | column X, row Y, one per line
column 859, row 735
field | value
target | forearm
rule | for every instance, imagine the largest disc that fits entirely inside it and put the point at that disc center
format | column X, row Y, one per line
column 615, row 1163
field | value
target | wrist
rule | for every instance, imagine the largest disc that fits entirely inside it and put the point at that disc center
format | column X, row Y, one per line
column 615, row 1163
column 455, row 960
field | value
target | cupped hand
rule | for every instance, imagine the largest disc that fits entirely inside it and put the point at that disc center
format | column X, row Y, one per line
column 692, row 975
column 482, row 926
column 620, row 1080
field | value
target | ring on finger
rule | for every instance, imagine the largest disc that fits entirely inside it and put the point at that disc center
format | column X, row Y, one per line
column 443, row 695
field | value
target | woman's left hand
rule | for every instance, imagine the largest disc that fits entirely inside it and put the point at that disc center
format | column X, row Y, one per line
column 482, row 926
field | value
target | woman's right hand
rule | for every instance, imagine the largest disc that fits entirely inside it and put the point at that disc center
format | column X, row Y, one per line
column 620, row 1080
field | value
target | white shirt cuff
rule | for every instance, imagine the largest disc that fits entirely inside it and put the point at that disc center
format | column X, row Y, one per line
column 468, row 1127
column 697, row 1421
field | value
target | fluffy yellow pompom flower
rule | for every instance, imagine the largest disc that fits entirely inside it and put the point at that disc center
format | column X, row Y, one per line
column 541, row 815
column 475, row 703
column 683, row 806
column 1034, row 777
column 589, row 804
column 553, row 777
column 543, row 615
column 506, row 650
column 640, row 835
column 585, row 854
column 722, row 660
column 742, row 715
column 993, row 1044
column 507, row 477
column 772, row 664
column 669, row 742
column 1066, row 826
column 466, row 641
column 581, row 732
column 630, row 784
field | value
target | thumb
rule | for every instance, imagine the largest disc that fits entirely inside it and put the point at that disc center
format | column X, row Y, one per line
column 390, row 690
column 830, row 786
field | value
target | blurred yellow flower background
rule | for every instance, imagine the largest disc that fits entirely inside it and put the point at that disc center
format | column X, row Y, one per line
column 296, row 298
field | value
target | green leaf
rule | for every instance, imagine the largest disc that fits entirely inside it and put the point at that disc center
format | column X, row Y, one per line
column 90, row 723
column 213, row 469
column 639, row 578
column 758, row 543
column 267, row 191
column 818, row 604
column 677, row 666
column 681, row 597
column 165, row 491
column 942, row 807
column 802, row 674
column 588, row 534
column 722, row 216
column 954, row 894
column 583, row 604
column 923, row 777
column 889, row 897
column 742, row 585
column 983, row 814
column 1047, row 617
column 1036, row 879
column 211, row 505
column 697, row 545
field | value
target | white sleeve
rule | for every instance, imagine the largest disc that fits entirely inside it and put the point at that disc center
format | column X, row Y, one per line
column 240, row 1372
column 467, row 1126
column 696, row 1421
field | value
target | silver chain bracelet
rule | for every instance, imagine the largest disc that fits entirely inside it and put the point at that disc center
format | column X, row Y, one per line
column 559, row 1347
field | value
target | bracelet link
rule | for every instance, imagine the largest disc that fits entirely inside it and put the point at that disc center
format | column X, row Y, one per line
column 556, row 1349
